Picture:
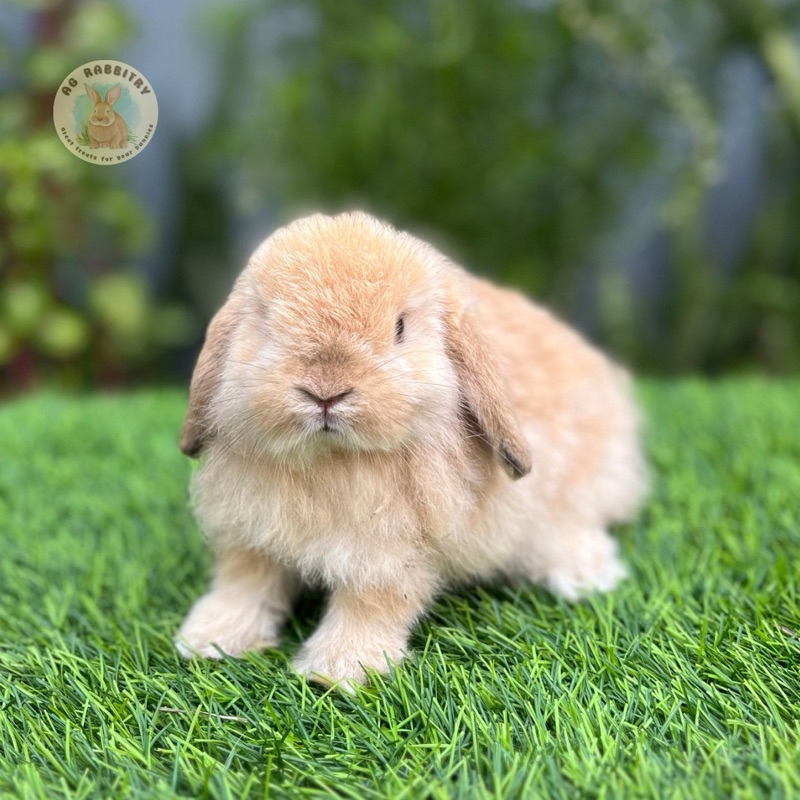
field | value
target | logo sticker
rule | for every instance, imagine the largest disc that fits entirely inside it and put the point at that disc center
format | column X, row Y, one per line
column 105, row 112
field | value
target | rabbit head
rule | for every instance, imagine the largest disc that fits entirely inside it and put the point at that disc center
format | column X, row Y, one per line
column 342, row 336
column 102, row 114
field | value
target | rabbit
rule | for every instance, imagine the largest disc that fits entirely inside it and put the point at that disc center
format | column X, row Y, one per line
column 106, row 127
column 374, row 420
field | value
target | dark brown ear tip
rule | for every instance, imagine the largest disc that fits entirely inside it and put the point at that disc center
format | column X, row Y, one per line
column 191, row 447
column 516, row 468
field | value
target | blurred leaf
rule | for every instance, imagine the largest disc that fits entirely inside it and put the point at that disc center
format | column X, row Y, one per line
column 119, row 303
column 13, row 111
column 781, row 53
column 6, row 345
column 62, row 334
column 98, row 26
column 24, row 303
column 51, row 156
column 173, row 326
column 48, row 65
column 119, row 207
column 22, row 198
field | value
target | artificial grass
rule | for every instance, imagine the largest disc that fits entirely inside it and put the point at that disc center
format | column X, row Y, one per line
column 683, row 683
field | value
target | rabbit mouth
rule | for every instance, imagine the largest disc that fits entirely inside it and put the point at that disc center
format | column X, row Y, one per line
column 328, row 425
column 102, row 123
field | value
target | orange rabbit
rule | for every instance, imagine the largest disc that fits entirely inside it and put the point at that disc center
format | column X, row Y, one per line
column 375, row 420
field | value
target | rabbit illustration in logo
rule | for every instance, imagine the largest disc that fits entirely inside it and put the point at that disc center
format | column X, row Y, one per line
column 106, row 127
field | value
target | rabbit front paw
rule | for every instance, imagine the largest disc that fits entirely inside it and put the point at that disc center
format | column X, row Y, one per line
column 221, row 624
column 344, row 665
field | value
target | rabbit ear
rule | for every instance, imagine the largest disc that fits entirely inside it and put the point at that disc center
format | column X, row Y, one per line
column 484, row 396
column 197, row 428
column 112, row 95
column 93, row 95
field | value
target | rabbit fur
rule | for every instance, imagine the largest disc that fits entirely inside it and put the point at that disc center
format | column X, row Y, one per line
column 387, row 460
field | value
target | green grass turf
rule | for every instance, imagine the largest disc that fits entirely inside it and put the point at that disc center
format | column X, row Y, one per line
column 685, row 682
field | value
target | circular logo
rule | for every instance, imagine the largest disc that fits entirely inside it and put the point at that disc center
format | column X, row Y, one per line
column 105, row 112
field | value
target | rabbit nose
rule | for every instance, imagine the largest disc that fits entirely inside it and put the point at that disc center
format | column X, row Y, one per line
column 324, row 402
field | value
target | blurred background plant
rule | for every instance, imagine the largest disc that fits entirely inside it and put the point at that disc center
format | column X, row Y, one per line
column 634, row 164
column 73, row 307
column 589, row 153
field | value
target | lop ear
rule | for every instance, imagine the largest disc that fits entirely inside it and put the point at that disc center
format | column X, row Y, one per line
column 197, row 427
column 484, row 395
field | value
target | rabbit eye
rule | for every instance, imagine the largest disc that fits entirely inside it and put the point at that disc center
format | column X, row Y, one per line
column 399, row 329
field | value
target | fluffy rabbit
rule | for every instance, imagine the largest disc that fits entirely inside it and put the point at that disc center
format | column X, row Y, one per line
column 374, row 420
column 106, row 127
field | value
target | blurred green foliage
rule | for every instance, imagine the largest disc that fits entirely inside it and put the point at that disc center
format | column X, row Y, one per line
column 514, row 133
column 70, row 307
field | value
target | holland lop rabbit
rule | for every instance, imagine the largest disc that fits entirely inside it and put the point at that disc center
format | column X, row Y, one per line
column 376, row 421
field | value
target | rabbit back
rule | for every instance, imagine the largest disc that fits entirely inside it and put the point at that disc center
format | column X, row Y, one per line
column 576, row 408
